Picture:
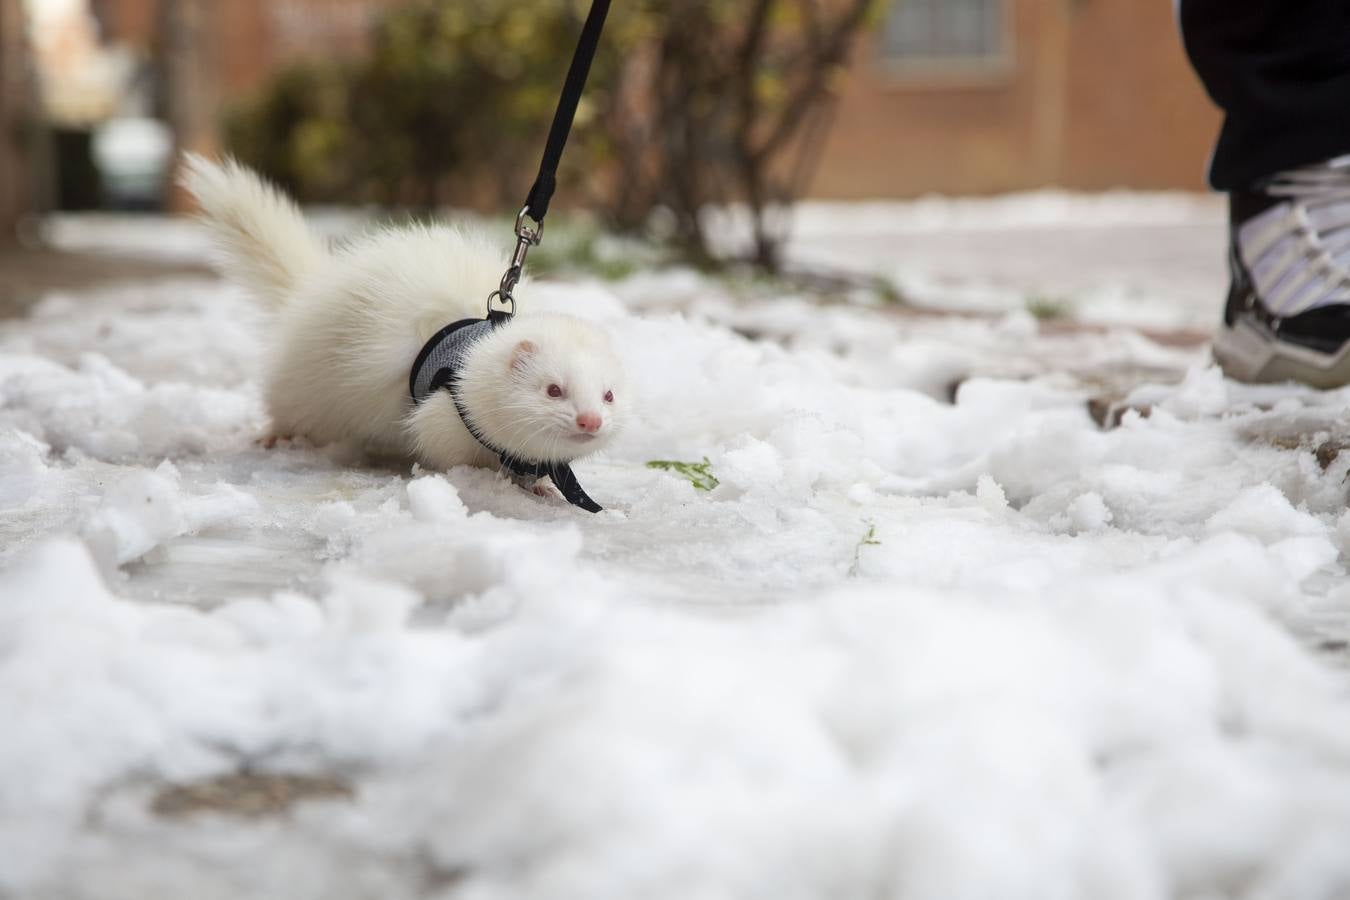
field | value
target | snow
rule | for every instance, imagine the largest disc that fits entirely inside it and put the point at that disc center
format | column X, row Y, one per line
column 146, row 509
column 934, row 634
column 1146, row 260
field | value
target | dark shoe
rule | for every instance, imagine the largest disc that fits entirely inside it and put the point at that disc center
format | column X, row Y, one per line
column 1288, row 312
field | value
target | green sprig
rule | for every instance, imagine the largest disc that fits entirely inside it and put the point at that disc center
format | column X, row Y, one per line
column 699, row 474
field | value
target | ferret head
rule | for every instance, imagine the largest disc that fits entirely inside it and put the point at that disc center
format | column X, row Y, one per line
column 545, row 387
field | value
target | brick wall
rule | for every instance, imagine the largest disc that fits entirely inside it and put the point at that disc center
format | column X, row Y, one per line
column 1137, row 113
column 255, row 37
column 1096, row 94
column 250, row 39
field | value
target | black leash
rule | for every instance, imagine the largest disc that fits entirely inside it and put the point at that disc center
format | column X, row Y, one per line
column 541, row 192
column 438, row 353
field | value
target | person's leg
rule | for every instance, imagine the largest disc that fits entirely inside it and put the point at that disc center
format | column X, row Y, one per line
column 1280, row 71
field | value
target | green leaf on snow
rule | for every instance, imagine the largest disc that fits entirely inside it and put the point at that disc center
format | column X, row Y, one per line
column 699, row 474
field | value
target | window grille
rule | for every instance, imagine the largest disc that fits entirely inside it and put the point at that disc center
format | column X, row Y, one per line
column 945, row 33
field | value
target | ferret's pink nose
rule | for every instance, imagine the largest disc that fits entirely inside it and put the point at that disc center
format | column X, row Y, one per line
column 589, row 422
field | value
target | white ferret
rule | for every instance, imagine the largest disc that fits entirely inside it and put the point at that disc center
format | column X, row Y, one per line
column 349, row 324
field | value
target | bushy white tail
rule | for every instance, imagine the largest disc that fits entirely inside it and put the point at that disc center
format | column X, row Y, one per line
column 262, row 238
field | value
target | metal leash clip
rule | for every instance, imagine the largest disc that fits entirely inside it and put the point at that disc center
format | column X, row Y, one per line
column 526, row 237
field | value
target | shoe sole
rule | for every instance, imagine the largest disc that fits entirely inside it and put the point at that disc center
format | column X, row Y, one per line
column 1246, row 351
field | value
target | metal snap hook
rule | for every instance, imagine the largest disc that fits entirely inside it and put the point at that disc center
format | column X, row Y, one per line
column 524, row 232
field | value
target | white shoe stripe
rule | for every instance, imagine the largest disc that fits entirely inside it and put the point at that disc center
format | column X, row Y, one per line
column 1263, row 231
column 1297, row 252
column 1285, row 263
column 1266, row 271
column 1332, row 217
column 1337, row 243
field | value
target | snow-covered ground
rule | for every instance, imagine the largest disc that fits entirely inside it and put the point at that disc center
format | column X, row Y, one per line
column 935, row 634
column 1148, row 260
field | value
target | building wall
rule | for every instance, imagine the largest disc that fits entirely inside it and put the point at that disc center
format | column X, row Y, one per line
column 1138, row 115
column 250, row 39
column 131, row 22
column 896, row 135
column 16, row 175
column 1096, row 94
column 257, row 36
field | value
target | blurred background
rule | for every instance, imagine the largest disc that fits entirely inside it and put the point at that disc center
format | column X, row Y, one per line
column 695, row 107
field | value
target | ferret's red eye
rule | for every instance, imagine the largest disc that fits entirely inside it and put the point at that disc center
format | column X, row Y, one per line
column 609, row 396
column 554, row 390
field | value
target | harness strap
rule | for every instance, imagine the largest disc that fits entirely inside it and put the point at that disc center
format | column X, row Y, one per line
column 544, row 183
column 560, row 473
column 422, row 383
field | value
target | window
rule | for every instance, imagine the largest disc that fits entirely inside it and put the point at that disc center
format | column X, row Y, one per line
column 321, row 26
column 956, row 35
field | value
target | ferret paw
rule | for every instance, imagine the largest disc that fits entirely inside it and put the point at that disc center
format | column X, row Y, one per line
column 540, row 487
column 270, row 441
column 546, row 490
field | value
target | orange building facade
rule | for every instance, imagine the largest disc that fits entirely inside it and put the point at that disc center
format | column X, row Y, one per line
column 247, row 40
column 1090, row 94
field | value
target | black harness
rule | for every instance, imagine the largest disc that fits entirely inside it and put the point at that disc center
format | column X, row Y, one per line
column 437, row 367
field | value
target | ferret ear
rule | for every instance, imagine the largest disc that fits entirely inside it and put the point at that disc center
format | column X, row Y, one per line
column 520, row 356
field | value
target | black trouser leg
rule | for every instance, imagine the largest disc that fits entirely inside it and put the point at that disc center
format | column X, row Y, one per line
column 1280, row 71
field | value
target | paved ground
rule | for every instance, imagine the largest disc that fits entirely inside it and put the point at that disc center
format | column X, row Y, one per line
column 1157, row 263
column 29, row 273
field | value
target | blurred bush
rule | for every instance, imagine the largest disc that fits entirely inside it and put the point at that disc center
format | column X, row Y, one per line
column 690, row 103
column 299, row 133
column 449, row 107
